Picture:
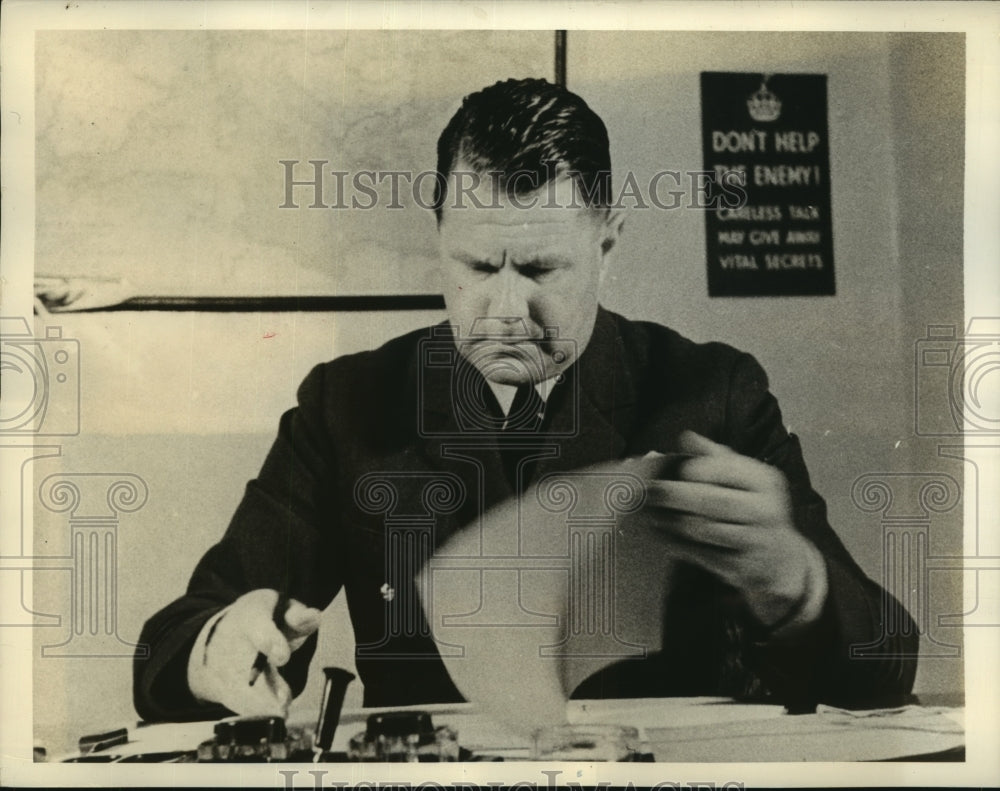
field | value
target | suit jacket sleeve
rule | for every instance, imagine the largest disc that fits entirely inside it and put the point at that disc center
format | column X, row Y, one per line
column 280, row 531
column 862, row 650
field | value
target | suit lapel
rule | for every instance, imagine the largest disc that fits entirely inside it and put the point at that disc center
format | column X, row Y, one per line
column 593, row 419
column 454, row 400
column 589, row 419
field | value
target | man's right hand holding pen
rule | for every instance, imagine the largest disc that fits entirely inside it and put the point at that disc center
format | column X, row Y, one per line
column 236, row 657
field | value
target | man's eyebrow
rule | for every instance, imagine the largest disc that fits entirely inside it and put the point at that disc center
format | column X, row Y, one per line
column 543, row 261
column 468, row 258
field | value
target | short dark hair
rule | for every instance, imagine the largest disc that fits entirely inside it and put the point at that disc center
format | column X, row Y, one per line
column 531, row 128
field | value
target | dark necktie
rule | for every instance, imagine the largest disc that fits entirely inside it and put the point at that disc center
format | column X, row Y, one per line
column 527, row 411
column 524, row 421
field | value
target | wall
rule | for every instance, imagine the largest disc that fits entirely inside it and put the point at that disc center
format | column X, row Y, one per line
column 158, row 152
column 842, row 367
column 928, row 130
column 189, row 402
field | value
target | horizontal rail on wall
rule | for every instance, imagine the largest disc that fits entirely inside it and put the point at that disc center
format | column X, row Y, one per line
column 354, row 303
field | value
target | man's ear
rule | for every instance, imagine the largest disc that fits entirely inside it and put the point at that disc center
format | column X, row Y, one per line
column 611, row 229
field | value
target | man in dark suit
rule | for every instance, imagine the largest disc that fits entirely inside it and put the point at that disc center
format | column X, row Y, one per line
column 529, row 376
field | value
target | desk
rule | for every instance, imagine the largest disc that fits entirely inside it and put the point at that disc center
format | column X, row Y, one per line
column 719, row 730
column 674, row 730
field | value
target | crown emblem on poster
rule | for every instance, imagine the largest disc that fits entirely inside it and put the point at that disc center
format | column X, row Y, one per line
column 763, row 105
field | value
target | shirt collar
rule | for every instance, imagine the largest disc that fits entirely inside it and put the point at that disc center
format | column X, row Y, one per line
column 505, row 393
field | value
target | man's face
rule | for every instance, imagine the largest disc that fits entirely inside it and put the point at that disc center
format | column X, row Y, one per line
column 521, row 284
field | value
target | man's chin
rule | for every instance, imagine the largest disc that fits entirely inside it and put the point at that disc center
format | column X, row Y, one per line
column 511, row 380
column 513, row 368
column 516, row 361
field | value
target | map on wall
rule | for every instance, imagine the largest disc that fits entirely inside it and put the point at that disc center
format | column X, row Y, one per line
column 252, row 162
column 765, row 144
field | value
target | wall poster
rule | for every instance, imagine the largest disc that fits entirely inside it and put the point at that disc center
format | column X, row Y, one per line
column 768, row 134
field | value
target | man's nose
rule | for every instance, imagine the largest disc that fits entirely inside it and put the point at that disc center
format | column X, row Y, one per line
column 510, row 295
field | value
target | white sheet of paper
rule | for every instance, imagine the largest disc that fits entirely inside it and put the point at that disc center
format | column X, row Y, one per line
column 544, row 591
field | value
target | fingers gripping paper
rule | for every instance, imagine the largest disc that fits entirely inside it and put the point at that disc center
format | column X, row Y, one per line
column 545, row 590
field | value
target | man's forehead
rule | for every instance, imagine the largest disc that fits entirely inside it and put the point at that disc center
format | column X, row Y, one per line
column 510, row 219
column 477, row 200
column 530, row 250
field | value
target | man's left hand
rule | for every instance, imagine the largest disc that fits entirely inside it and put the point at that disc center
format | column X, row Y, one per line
column 731, row 515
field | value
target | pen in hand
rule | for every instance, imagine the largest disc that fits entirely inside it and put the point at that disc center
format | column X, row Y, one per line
column 278, row 616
